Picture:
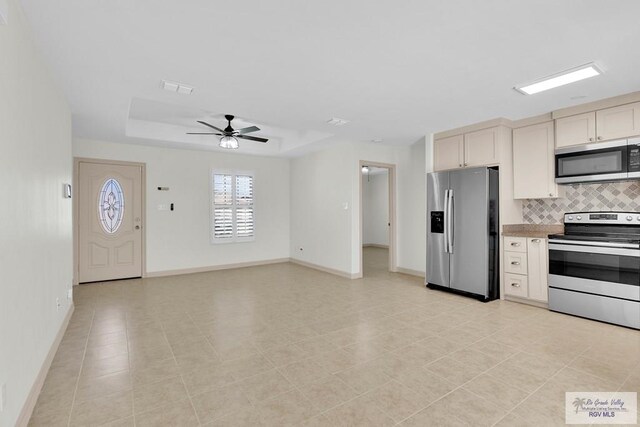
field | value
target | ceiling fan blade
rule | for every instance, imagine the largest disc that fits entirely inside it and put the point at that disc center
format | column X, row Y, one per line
column 211, row 126
column 252, row 138
column 248, row 130
column 203, row 133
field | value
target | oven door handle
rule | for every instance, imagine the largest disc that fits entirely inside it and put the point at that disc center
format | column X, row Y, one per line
column 590, row 243
column 635, row 253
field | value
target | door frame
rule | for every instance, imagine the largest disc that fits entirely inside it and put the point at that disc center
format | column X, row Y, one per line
column 393, row 265
column 76, row 209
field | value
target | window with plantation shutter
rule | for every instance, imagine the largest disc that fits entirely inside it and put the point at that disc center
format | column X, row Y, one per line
column 232, row 210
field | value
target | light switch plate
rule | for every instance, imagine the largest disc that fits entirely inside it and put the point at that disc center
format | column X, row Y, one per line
column 3, row 396
column 4, row 10
column 66, row 191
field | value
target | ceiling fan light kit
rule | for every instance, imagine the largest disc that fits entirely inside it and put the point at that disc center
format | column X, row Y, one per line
column 229, row 135
column 229, row 142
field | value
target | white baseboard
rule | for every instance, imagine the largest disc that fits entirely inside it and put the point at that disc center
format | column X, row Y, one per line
column 32, row 398
column 164, row 273
column 411, row 272
column 325, row 269
column 526, row 301
column 375, row 245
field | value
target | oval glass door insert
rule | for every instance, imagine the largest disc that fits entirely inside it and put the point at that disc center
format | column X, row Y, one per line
column 110, row 206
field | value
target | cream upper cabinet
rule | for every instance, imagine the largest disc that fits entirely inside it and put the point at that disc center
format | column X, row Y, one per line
column 533, row 162
column 618, row 122
column 537, row 268
column 447, row 153
column 576, row 130
column 481, row 147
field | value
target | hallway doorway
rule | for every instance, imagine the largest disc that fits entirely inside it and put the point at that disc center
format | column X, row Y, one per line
column 377, row 218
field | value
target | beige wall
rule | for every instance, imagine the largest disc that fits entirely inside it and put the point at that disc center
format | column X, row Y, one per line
column 375, row 208
column 325, row 203
column 35, row 220
column 179, row 239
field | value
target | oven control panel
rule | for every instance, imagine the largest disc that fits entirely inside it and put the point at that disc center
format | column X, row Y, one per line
column 602, row 218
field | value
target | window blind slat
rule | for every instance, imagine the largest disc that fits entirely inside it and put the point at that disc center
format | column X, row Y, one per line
column 233, row 215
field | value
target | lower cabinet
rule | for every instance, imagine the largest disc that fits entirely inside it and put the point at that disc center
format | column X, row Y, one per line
column 526, row 267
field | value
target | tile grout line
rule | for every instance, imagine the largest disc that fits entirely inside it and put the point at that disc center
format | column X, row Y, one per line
column 567, row 365
column 164, row 333
column 84, row 354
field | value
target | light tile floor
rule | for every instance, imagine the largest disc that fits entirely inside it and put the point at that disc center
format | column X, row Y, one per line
column 286, row 345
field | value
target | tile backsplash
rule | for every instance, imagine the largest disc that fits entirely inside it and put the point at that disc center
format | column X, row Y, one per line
column 611, row 196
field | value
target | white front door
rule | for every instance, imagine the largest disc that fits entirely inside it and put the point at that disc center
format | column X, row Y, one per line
column 109, row 221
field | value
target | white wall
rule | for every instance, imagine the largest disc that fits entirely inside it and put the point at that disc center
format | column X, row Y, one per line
column 375, row 208
column 35, row 225
column 179, row 239
column 320, row 224
column 323, row 182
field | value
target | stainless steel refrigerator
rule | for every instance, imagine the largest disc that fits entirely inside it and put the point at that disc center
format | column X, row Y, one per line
column 462, row 232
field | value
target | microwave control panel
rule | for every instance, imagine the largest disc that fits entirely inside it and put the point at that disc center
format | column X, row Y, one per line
column 634, row 158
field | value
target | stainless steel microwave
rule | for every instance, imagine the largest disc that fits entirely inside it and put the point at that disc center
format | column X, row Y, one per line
column 604, row 161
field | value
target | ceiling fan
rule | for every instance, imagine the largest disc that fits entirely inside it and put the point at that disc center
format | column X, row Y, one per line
column 230, row 135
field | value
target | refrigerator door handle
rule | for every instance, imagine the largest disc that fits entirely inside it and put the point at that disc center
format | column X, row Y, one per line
column 446, row 221
column 450, row 208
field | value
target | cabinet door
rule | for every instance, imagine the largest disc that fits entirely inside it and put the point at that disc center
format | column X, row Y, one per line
column 618, row 122
column 533, row 162
column 481, row 147
column 537, row 267
column 576, row 130
column 447, row 153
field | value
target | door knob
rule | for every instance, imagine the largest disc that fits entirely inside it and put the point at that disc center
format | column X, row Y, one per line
column 137, row 227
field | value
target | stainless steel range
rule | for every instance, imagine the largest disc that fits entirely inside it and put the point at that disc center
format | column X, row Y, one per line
column 594, row 268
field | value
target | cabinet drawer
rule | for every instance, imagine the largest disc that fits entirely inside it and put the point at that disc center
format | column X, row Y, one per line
column 515, row 262
column 515, row 244
column 516, row 285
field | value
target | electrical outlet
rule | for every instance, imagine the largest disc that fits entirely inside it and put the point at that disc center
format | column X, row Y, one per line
column 3, row 396
column 58, row 304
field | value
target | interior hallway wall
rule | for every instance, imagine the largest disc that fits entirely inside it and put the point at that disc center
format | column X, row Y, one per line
column 36, row 230
column 325, row 203
column 375, row 208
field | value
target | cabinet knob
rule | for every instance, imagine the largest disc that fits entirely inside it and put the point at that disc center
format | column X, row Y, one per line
column 599, row 138
column 590, row 139
column 550, row 194
column 515, row 263
column 515, row 285
column 535, row 240
column 460, row 165
column 515, row 244
column 466, row 163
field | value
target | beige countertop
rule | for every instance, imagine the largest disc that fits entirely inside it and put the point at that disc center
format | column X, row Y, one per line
column 531, row 230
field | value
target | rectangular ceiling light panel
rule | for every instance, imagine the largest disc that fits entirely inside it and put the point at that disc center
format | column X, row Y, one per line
column 560, row 79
